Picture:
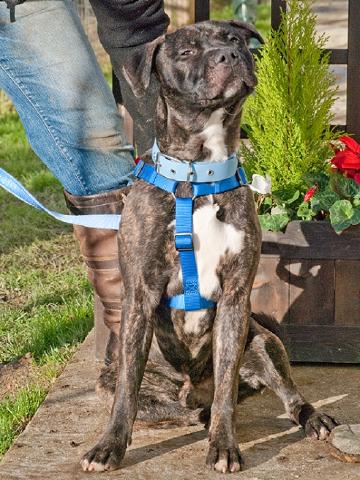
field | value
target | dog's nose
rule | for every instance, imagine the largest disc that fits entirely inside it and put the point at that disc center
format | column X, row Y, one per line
column 227, row 56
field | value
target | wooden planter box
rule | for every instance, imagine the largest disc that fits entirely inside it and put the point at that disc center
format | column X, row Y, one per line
column 309, row 280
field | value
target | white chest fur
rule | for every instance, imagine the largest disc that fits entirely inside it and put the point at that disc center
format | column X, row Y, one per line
column 212, row 239
column 214, row 137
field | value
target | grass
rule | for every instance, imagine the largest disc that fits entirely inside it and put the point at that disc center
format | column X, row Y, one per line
column 20, row 224
column 224, row 11
column 16, row 412
column 45, row 299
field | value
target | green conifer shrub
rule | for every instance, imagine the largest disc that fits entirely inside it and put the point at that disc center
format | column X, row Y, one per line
column 288, row 118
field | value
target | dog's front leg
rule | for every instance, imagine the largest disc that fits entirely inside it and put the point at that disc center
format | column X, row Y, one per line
column 135, row 341
column 229, row 336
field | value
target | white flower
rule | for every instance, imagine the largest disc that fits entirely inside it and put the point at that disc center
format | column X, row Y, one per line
column 261, row 184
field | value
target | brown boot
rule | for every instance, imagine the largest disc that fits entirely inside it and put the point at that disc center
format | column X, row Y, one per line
column 100, row 252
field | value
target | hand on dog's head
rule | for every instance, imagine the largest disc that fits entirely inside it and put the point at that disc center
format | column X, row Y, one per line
column 204, row 63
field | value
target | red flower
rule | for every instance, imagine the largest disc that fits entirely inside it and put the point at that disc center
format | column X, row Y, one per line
column 310, row 193
column 350, row 143
column 347, row 161
column 356, row 178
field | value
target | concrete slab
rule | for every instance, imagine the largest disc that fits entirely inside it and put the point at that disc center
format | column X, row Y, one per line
column 71, row 419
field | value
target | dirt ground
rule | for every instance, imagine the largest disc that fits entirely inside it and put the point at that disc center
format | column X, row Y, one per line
column 14, row 375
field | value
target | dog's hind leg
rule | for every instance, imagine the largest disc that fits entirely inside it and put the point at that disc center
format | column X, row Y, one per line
column 266, row 364
column 136, row 330
column 158, row 400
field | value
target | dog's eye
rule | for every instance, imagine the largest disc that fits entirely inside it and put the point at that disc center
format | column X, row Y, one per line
column 234, row 39
column 186, row 53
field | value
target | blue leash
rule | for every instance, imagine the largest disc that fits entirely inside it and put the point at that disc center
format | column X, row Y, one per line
column 13, row 186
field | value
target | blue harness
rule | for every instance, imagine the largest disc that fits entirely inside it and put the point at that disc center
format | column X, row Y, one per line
column 206, row 178
column 228, row 177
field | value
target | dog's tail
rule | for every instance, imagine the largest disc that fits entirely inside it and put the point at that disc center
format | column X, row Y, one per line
column 269, row 322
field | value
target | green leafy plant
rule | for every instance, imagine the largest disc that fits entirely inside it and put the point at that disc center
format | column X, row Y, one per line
column 332, row 196
column 288, row 118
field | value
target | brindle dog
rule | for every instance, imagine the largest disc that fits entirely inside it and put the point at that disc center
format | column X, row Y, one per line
column 218, row 355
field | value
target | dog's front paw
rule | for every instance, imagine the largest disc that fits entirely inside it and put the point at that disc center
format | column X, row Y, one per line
column 224, row 460
column 319, row 425
column 106, row 455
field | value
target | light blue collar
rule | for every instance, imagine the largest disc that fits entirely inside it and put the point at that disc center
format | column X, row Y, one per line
column 199, row 172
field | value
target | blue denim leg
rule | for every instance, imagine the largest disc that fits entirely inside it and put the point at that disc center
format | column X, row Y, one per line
column 49, row 70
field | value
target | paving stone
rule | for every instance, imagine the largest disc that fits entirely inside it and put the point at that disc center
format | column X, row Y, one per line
column 345, row 443
column 71, row 420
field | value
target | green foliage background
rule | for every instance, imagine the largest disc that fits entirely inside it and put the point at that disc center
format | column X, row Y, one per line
column 288, row 118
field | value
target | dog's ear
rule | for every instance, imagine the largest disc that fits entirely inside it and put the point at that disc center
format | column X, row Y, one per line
column 247, row 30
column 138, row 67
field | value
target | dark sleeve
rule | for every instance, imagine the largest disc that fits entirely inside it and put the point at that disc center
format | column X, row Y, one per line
column 127, row 23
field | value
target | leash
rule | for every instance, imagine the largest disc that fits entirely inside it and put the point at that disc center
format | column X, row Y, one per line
column 228, row 175
column 191, row 299
column 13, row 186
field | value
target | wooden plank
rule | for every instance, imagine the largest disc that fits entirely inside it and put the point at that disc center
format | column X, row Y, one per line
column 276, row 7
column 202, row 10
column 312, row 287
column 347, row 292
column 270, row 292
column 318, row 344
column 338, row 56
column 313, row 240
column 353, row 71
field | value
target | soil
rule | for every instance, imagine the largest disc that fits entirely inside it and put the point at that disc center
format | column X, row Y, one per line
column 15, row 375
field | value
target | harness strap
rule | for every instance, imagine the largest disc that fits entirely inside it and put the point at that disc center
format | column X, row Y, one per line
column 191, row 299
column 147, row 172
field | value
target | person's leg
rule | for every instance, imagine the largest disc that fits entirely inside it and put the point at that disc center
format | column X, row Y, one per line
column 48, row 69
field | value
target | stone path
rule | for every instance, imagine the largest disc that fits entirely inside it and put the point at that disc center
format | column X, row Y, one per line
column 71, row 419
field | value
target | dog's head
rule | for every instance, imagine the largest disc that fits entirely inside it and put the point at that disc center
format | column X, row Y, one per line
column 205, row 64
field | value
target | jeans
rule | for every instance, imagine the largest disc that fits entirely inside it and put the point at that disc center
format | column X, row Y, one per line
column 49, row 70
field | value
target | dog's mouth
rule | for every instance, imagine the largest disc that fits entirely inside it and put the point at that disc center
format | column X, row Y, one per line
column 226, row 95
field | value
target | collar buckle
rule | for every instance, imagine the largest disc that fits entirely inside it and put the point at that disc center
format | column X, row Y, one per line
column 157, row 162
column 190, row 173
